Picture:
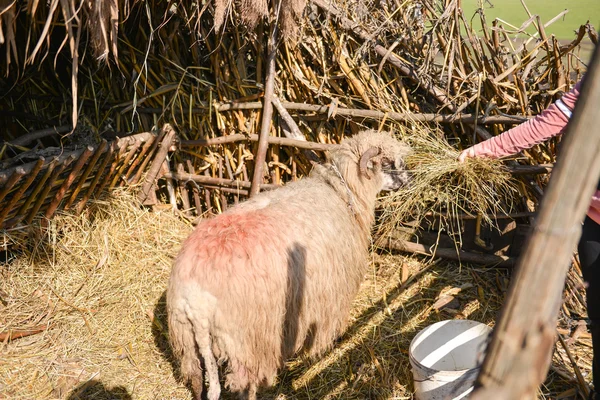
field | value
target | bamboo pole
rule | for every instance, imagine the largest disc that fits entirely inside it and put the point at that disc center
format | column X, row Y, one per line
column 263, row 142
column 519, row 355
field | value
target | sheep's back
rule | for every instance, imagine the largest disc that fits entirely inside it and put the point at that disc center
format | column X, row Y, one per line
column 284, row 268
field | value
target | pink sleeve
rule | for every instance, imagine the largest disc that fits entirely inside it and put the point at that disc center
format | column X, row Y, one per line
column 545, row 125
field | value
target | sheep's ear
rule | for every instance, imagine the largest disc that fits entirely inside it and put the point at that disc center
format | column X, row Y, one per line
column 365, row 158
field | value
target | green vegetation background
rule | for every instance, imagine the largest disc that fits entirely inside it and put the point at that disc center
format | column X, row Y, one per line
column 512, row 11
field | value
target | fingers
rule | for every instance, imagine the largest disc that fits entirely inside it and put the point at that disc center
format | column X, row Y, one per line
column 467, row 153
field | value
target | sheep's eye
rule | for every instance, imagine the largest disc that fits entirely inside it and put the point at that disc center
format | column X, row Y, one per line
column 387, row 165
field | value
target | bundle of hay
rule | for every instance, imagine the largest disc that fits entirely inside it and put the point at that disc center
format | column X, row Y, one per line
column 444, row 187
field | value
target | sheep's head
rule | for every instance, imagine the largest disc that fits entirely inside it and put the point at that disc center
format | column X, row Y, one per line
column 382, row 158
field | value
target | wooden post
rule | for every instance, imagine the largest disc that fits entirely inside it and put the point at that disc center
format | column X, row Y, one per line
column 263, row 141
column 519, row 355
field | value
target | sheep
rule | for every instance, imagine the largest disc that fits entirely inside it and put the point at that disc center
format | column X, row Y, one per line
column 277, row 274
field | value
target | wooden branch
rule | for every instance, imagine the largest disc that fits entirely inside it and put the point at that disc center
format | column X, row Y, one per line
column 451, row 254
column 15, row 177
column 47, row 187
column 97, row 153
column 35, row 135
column 62, row 191
column 240, row 137
column 159, row 157
column 359, row 113
column 183, row 177
column 519, row 355
column 515, row 215
column 580, row 379
column 531, row 169
column 90, row 190
column 263, row 142
column 17, row 196
column 294, row 132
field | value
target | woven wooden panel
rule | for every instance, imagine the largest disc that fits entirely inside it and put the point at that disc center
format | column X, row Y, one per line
column 69, row 179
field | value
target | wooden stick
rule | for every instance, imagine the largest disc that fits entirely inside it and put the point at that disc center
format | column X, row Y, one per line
column 239, row 137
column 47, row 187
column 531, row 169
column 62, row 191
column 160, row 156
column 155, row 142
column 195, row 191
column 35, row 135
column 580, row 380
column 15, row 177
column 360, row 113
column 185, row 196
column 34, row 194
column 117, row 156
column 13, row 334
column 97, row 176
column 263, row 142
column 451, row 254
column 97, row 153
column 166, row 170
column 238, row 192
column 119, row 174
column 207, row 194
column 520, row 352
column 182, row 176
column 138, row 159
column 17, row 196
column 222, row 195
column 294, row 132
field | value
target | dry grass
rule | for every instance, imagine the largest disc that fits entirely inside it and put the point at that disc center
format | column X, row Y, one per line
column 96, row 280
column 446, row 187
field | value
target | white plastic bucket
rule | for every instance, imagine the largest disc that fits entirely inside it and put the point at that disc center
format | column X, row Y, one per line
column 446, row 357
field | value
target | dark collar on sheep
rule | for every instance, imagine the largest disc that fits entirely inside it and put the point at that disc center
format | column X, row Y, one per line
column 350, row 196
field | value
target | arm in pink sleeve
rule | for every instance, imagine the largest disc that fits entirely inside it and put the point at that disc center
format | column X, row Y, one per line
column 549, row 123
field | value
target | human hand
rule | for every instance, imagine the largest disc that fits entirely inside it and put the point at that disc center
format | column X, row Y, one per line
column 467, row 153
